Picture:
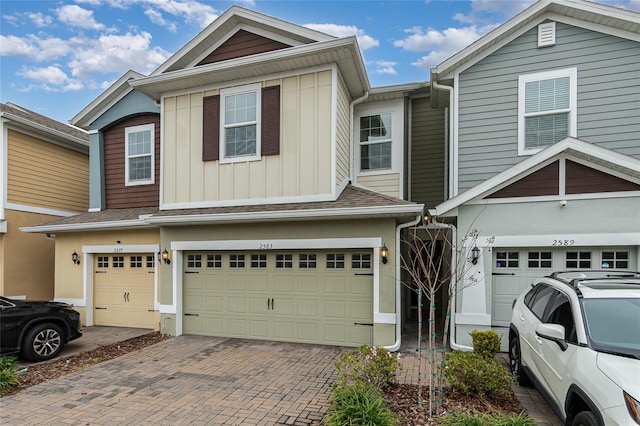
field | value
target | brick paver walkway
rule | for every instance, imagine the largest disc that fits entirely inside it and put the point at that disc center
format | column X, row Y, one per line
column 188, row 380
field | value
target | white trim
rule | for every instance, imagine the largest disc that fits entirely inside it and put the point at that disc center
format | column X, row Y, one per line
column 162, row 151
column 376, row 211
column 594, row 196
column 334, row 130
column 39, row 210
column 573, row 240
column 572, row 73
column 232, row 91
column 178, row 247
column 151, row 128
column 4, row 146
column 88, row 254
column 120, row 224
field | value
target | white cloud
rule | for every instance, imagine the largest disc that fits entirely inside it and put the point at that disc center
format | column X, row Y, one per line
column 11, row 19
column 51, row 79
column 192, row 11
column 385, row 67
column 89, row 2
column 484, row 12
column 76, row 16
column 115, row 53
column 40, row 20
column 34, row 48
column 439, row 44
column 157, row 18
column 364, row 41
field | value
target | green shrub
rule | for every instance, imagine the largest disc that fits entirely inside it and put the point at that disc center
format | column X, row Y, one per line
column 487, row 419
column 9, row 376
column 471, row 373
column 375, row 367
column 358, row 405
column 486, row 343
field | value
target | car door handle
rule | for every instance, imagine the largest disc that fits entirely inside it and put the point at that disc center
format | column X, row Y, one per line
column 521, row 317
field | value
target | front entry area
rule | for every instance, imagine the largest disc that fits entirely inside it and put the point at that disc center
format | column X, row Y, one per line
column 310, row 296
column 124, row 290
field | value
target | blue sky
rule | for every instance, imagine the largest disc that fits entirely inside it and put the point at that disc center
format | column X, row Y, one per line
column 57, row 56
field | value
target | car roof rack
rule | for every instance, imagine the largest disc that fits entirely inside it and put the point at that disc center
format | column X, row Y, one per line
column 575, row 277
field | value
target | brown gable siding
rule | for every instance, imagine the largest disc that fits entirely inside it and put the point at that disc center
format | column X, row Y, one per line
column 581, row 179
column 242, row 43
column 541, row 182
column 118, row 195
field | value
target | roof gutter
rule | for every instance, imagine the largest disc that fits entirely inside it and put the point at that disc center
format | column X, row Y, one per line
column 399, row 228
column 351, row 128
column 453, row 161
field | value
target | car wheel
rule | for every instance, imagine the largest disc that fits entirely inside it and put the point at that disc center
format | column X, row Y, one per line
column 515, row 363
column 43, row 342
column 585, row 418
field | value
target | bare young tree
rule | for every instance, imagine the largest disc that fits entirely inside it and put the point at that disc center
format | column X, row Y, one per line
column 434, row 262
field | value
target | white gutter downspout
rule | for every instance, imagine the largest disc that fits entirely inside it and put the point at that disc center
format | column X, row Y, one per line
column 453, row 163
column 397, row 343
column 351, row 136
column 453, row 274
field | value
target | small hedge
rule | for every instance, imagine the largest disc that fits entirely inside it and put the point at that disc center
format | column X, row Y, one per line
column 486, row 343
column 474, row 374
column 375, row 367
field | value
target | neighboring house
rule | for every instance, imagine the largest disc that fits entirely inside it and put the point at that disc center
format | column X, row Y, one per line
column 253, row 186
column 544, row 154
column 44, row 168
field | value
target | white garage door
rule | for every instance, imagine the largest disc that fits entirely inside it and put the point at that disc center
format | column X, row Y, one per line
column 311, row 296
column 515, row 269
column 123, row 290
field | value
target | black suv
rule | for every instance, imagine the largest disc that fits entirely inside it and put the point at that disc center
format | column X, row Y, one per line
column 36, row 330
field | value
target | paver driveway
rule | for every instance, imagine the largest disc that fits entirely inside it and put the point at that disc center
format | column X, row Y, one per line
column 187, row 380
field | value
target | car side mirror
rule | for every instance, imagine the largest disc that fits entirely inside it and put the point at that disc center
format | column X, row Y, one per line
column 553, row 332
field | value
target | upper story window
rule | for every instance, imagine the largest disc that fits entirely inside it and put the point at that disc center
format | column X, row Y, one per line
column 375, row 141
column 139, row 147
column 547, row 109
column 240, row 121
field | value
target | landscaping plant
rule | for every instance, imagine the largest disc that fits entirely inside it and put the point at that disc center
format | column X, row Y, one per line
column 367, row 365
column 473, row 374
column 9, row 376
column 358, row 404
column 486, row 343
column 487, row 419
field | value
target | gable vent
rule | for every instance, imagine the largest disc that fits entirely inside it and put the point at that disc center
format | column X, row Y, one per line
column 547, row 34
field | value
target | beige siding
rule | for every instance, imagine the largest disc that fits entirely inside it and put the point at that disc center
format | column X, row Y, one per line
column 303, row 167
column 343, row 152
column 27, row 260
column 46, row 175
column 387, row 184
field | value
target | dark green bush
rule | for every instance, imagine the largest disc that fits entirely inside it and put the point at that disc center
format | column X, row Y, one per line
column 487, row 419
column 375, row 367
column 472, row 373
column 486, row 343
column 9, row 376
column 358, row 405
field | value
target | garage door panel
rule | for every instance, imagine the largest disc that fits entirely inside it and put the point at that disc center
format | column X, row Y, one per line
column 307, row 332
column 237, row 304
column 334, row 284
column 258, row 329
column 307, row 307
column 258, row 283
column 259, row 305
column 236, row 282
column 285, row 284
column 284, row 330
column 307, row 284
column 335, row 309
column 360, row 311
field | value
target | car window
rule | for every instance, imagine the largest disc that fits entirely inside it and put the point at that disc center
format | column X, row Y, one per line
column 559, row 312
column 540, row 300
column 530, row 295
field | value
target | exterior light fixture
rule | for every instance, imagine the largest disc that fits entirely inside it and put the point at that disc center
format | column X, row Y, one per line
column 75, row 258
column 475, row 255
column 165, row 256
column 384, row 253
column 426, row 218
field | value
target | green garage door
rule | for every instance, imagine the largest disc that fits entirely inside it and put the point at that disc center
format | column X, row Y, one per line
column 323, row 297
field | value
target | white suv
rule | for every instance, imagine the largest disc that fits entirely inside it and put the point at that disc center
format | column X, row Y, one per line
column 576, row 335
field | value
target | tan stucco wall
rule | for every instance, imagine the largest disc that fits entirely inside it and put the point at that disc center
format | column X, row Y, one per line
column 384, row 334
column 69, row 282
column 27, row 260
column 46, row 175
column 303, row 167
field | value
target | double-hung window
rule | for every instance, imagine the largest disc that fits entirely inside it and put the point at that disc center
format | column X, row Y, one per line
column 547, row 109
column 376, row 137
column 139, row 147
column 241, row 114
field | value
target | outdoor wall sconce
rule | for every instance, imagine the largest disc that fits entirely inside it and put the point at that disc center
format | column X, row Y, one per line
column 75, row 258
column 384, row 253
column 475, row 255
column 165, row 257
column 426, row 219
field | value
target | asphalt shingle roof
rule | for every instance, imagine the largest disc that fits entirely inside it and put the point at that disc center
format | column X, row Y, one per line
column 41, row 120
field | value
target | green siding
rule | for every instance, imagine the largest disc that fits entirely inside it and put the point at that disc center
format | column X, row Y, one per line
column 427, row 153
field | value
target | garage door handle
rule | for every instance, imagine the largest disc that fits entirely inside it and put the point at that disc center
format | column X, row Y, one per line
column 101, row 308
column 191, row 315
column 190, row 272
column 365, row 275
column 502, row 273
column 370, row 324
column 101, row 272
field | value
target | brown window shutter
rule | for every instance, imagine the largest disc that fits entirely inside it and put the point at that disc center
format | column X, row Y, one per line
column 271, row 120
column 210, row 128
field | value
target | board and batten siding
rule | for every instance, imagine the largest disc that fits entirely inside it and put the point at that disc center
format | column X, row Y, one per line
column 427, row 153
column 387, row 184
column 303, row 167
column 608, row 97
column 343, row 149
column 46, row 175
